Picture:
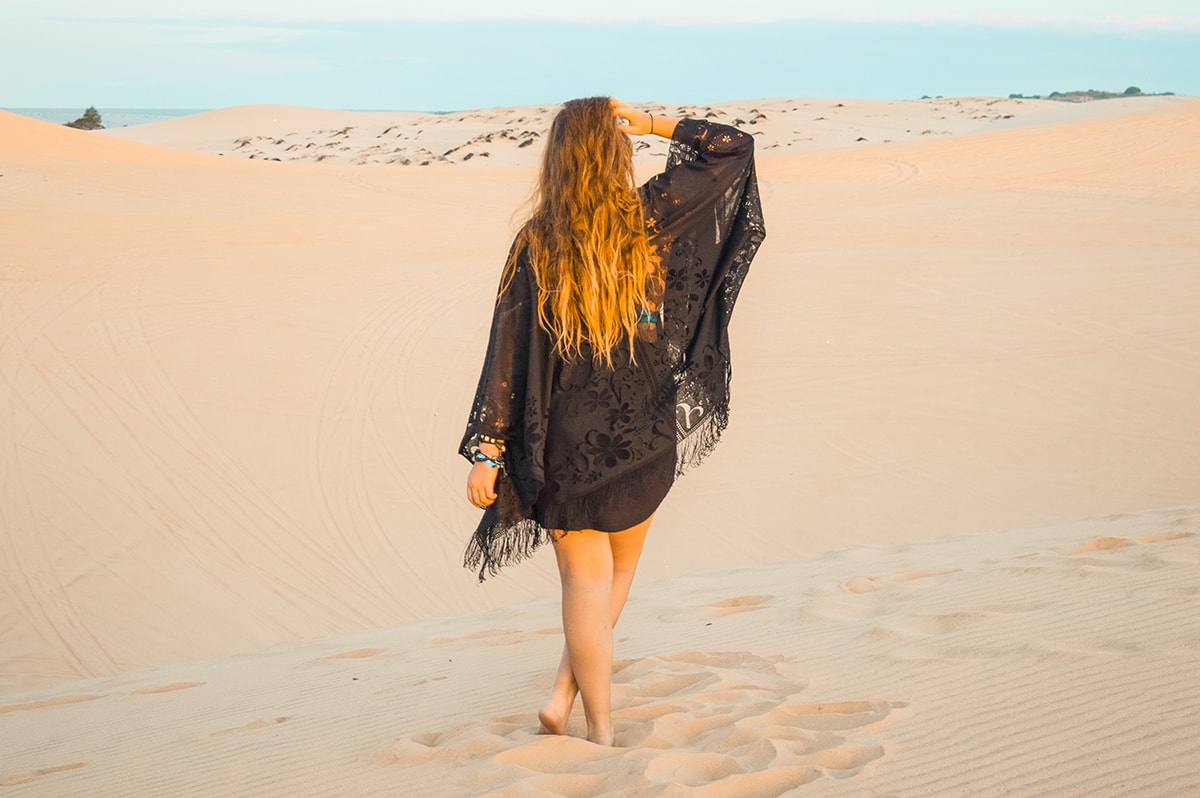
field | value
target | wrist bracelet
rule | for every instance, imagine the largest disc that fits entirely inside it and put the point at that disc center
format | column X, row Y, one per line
column 480, row 457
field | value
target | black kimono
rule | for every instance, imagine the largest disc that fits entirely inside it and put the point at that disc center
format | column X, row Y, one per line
column 593, row 447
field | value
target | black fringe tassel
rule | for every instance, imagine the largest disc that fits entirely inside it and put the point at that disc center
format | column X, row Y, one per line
column 506, row 534
column 699, row 443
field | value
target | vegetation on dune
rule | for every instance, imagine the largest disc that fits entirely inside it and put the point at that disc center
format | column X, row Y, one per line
column 89, row 121
column 1089, row 95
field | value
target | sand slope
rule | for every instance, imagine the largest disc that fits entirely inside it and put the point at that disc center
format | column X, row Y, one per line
column 1052, row 661
column 230, row 390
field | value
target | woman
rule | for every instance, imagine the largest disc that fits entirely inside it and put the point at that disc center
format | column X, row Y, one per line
column 607, row 370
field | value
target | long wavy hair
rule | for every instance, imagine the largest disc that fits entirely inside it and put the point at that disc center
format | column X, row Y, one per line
column 586, row 235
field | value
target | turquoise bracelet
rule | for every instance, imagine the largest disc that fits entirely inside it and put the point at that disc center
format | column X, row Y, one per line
column 480, row 457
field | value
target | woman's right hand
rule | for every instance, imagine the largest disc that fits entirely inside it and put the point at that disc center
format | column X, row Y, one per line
column 481, row 485
column 638, row 121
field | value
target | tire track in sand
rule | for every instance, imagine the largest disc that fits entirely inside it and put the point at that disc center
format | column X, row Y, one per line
column 36, row 591
column 224, row 480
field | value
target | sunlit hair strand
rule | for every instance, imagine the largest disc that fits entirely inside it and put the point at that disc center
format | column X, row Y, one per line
column 586, row 235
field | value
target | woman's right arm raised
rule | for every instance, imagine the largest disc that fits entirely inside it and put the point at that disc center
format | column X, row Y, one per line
column 640, row 123
column 707, row 160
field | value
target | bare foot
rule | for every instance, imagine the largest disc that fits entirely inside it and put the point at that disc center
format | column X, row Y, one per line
column 605, row 738
column 554, row 716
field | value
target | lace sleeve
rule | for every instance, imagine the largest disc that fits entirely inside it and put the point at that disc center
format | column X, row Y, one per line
column 707, row 160
column 706, row 223
column 699, row 139
column 500, row 396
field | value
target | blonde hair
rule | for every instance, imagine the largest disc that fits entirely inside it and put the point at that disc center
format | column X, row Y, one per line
column 586, row 235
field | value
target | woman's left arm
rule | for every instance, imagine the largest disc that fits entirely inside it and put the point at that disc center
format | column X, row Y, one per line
column 497, row 412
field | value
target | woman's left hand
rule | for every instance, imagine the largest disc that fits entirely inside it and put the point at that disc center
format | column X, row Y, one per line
column 481, row 485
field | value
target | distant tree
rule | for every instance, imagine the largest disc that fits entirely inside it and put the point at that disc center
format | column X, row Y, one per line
column 1133, row 90
column 89, row 121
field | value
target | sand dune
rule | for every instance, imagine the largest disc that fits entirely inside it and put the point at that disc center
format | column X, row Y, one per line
column 513, row 136
column 232, row 389
column 1052, row 661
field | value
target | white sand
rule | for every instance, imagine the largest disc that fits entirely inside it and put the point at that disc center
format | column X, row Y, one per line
column 233, row 390
column 1055, row 661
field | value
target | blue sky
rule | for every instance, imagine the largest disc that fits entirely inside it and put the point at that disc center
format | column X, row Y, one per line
column 471, row 53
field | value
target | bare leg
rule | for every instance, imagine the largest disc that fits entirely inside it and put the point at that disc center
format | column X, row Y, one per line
column 597, row 570
column 554, row 715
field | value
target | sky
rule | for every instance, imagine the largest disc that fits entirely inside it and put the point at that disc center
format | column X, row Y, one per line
column 401, row 55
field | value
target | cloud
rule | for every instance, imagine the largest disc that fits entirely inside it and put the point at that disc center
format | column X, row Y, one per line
column 1105, row 14
column 1109, row 22
column 1113, row 23
column 218, row 34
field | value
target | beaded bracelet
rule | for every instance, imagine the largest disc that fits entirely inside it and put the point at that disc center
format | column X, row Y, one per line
column 480, row 457
column 499, row 444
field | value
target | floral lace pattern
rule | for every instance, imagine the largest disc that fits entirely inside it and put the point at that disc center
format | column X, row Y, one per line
column 592, row 447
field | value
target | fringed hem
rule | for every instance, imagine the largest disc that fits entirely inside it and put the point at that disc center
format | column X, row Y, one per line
column 699, row 442
column 506, row 534
column 496, row 544
column 510, row 531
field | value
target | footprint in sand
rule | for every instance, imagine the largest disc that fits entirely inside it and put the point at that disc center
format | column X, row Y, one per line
column 1111, row 543
column 408, row 686
column 937, row 625
column 869, row 584
column 49, row 702
column 717, row 609
column 832, row 715
column 358, row 653
column 695, row 723
column 511, row 636
column 739, row 604
column 843, row 608
column 21, row 778
column 166, row 688
column 265, row 723
column 842, row 763
column 1105, row 544
column 1166, row 537
column 911, row 576
column 863, row 584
